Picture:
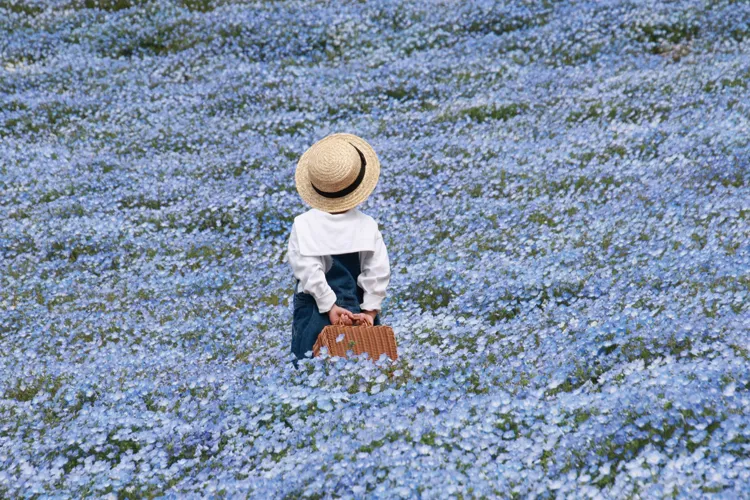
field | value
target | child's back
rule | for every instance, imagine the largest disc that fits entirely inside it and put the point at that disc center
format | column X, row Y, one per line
column 336, row 252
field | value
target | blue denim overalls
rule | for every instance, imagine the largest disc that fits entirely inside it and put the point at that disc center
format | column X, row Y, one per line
column 307, row 322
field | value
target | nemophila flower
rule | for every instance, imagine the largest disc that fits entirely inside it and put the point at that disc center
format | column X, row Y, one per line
column 564, row 198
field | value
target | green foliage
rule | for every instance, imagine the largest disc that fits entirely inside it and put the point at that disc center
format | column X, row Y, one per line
column 484, row 113
column 30, row 8
column 430, row 295
column 654, row 35
column 23, row 391
column 112, row 5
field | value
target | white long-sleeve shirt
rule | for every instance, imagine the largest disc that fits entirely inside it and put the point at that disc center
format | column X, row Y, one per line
column 316, row 235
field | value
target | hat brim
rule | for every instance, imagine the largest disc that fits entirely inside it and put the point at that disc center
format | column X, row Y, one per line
column 351, row 200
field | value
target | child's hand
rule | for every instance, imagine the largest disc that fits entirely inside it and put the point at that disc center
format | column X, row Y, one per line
column 336, row 312
column 367, row 317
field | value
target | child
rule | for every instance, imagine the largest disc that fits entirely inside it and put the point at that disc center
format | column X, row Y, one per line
column 336, row 252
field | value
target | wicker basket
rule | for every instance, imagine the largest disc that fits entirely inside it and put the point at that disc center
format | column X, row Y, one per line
column 375, row 340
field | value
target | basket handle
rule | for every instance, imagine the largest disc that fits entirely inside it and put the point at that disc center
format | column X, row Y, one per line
column 340, row 322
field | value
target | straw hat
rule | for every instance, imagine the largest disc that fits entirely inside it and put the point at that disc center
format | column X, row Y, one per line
column 337, row 173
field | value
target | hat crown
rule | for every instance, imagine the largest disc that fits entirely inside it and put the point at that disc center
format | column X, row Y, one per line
column 333, row 165
column 337, row 172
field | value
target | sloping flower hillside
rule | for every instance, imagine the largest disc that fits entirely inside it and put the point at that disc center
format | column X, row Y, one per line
column 565, row 197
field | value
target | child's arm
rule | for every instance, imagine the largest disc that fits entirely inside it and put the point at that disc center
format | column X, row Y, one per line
column 374, row 276
column 310, row 272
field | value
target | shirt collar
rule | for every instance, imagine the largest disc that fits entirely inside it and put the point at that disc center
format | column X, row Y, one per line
column 322, row 233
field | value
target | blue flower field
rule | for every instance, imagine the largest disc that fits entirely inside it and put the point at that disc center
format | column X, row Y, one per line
column 565, row 198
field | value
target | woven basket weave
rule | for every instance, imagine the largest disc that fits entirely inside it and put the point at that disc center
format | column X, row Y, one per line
column 374, row 340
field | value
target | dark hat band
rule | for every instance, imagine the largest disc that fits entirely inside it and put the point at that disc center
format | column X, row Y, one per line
column 351, row 187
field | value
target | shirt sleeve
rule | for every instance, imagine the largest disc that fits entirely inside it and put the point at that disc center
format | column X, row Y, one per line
column 310, row 271
column 375, row 275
